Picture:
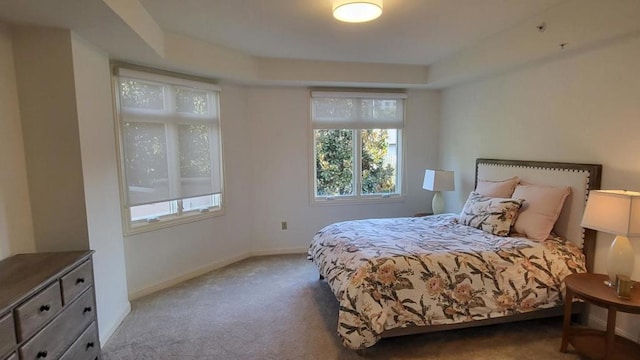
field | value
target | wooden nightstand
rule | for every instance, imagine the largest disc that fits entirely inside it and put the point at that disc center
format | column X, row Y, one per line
column 423, row 214
column 594, row 343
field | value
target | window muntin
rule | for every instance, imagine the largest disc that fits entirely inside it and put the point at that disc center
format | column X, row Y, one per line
column 357, row 145
column 170, row 149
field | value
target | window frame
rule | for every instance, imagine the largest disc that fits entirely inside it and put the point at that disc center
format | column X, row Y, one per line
column 181, row 216
column 357, row 198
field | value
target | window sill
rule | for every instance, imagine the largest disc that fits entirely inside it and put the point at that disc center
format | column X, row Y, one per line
column 169, row 221
column 358, row 201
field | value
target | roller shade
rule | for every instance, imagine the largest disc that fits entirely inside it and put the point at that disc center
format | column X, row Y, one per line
column 170, row 135
column 357, row 110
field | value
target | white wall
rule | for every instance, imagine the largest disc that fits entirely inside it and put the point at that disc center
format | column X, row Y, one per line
column 159, row 258
column 258, row 195
column 16, row 229
column 46, row 90
column 280, row 140
column 582, row 108
column 266, row 152
column 67, row 128
column 99, row 168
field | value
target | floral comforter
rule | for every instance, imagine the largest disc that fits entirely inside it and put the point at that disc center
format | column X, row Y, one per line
column 390, row 273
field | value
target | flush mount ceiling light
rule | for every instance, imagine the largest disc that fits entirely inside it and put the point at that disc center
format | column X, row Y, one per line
column 356, row 11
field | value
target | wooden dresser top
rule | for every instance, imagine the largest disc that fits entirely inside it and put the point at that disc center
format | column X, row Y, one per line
column 25, row 274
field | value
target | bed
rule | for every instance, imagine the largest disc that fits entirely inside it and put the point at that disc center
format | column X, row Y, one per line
column 410, row 275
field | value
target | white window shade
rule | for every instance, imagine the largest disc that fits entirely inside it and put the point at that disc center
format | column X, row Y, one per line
column 165, row 79
column 346, row 110
column 170, row 137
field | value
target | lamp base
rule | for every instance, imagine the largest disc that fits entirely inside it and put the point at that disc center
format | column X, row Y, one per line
column 437, row 204
column 620, row 259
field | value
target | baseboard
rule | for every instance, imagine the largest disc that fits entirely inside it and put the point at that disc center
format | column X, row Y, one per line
column 602, row 324
column 284, row 251
column 106, row 335
column 210, row 267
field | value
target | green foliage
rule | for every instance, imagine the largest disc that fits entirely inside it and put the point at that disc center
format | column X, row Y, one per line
column 376, row 177
column 335, row 162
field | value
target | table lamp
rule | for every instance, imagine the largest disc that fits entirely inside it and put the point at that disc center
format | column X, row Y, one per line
column 438, row 180
column 615, row 212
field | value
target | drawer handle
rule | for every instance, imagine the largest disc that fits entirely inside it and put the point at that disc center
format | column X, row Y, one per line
column 79, row 281
column 89, row 345
column 87, row 309
column 41, row 354
column 45, row 307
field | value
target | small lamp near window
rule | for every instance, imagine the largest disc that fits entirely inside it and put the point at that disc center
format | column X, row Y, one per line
column 438, row 180
column 615, row 212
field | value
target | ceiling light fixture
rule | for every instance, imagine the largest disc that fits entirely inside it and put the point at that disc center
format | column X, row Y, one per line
column 356, row 11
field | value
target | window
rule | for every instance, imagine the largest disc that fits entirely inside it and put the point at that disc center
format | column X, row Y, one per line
column 357, row 145
column 170, row 149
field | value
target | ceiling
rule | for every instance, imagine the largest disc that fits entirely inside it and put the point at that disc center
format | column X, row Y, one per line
column 408, row 32
column 414, row 44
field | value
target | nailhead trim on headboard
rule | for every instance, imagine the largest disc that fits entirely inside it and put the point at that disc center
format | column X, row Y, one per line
column 592, row 174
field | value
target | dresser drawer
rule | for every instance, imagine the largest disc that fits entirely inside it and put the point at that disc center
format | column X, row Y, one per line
column 7, row 335
column 38, row 310
column 86, row 347
column 76, row 281
column 55, row 337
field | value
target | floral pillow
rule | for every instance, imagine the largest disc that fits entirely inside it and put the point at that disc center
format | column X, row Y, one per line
column 493, row 215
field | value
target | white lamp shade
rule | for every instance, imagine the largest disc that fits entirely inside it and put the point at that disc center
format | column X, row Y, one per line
column 613, row 211
column 438, row 180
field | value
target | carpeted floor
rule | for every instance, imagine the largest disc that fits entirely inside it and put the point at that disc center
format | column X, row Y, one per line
column 276, row 308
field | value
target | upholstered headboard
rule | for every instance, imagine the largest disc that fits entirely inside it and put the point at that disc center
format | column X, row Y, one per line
column 580, row 177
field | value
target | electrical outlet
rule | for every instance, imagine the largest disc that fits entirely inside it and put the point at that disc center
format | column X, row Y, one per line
column 284, row 225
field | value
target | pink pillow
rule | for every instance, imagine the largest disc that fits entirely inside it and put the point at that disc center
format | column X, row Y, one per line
column 541, row 208
column 498, row 189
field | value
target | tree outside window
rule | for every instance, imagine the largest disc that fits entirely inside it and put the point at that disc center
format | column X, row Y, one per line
column 356, row 162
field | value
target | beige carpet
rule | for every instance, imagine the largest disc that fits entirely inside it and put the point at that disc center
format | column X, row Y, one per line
column 276, row 308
